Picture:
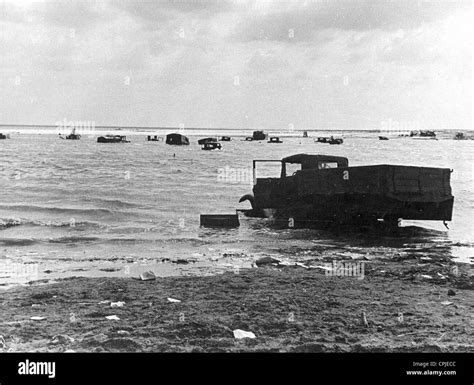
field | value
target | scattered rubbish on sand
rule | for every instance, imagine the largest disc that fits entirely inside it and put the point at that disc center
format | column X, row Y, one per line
column 117, row 304
column 173, row 300
column 400, row 317
column 451, row 292
column 112, row 318
column 61, row 339
column 446, row 303
column 364, row 319
column 239, row 334
column 426, row 276
column 147, row 276
column 103, row 302
column 37, row 318
column 266, row 261
column 73, row 318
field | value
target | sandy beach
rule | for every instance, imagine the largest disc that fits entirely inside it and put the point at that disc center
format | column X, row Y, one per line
column 409, row 306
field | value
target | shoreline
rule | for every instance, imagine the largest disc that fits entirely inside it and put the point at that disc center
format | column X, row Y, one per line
column 408, row 308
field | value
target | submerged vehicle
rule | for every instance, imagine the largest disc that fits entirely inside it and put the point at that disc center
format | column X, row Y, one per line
column 112, row 139
column 211, row 146
column 3, row 136
column 259, row 135
column 325, row 189
column 275, row 139
column 225, row 139
column 154, row 138
column 383, row 138
column 177, row 139
column 330, row 140
column 207, row 140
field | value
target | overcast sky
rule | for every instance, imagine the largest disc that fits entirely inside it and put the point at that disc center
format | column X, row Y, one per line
column 250, row 64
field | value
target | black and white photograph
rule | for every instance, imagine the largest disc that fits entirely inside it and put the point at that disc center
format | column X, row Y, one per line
column 210, row 178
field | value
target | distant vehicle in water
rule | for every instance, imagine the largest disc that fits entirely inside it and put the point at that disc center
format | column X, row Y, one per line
column 225, row 139
column 305, row 134
column 259, row 135
column 329, row 139
column 177, row 140
column 426, row 134
column 333, row 140
column 207, row 140
column 4, row 136
column 383, row 138
column 112, row 139
column 275, row 139
column 326, row 190
column 71, row 136
column 461, row 136
column 248, row 138
column 211, row 146
column 154, row 138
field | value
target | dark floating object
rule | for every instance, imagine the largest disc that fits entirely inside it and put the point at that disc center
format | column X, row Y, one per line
column 73, row 136
column 383, row 138
column 3, row 136
column 327, row 191
column 177, row 139
column 154, row 138
column 112, row 139
column 423, row 134
column 207, row 140
column 259, row 135
column 460, row 136
column 225, row 139
column 275, row 139
column 305, row 134
column 330, row 140
column 248, row 138
column 220, row 220
column 335, row 140
column 211, row 146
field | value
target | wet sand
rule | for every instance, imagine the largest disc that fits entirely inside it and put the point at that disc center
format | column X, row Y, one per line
column 409, row 306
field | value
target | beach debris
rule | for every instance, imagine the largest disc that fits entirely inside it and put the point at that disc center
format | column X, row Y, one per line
column 173, row 300
column 36, row 305
column 112, row 318
column 69, row 351
column 364, row 319
column 148, row 276
column 426, row 276
column 73, row 318
column 61, row 339
column 400, row 317
column 451, row 292
column 266, row 261
column 103, row 302
column 239, row 334
column 37, row 318
column 446, row 303
column 117, row 304
column 123, row 332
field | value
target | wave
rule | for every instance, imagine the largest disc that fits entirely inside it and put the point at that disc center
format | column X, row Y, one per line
column 6, row 223
column 56, row 210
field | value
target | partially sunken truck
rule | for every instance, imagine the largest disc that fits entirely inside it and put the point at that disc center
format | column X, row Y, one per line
column 326, row 190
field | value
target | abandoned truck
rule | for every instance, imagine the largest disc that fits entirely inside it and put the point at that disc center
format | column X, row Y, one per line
column 324, row 189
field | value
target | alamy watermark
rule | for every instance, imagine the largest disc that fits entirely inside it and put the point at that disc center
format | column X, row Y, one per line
column 346, row 269
column 234, row 175
column 78, row 126
column 19, row 270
